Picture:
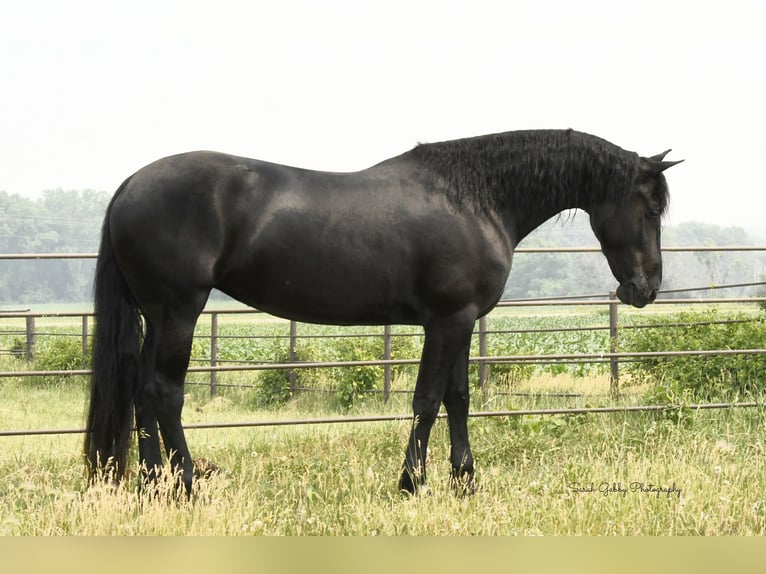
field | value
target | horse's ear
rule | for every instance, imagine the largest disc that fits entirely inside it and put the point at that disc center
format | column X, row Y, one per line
column 663, row 165
column 656, row 163
column 659, row 156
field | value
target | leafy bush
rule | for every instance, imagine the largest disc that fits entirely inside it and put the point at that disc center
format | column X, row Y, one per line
column 505, row 375
column 354, row 384
column 677, row 402
column 59, row 354
column 698, row 377
column 18, row 348
column 405, row 348
column 273, row 388
column 351, row 385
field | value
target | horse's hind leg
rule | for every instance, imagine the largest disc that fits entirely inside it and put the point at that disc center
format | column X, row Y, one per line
column 162, row 397
column 456, row 401
column 149, row 450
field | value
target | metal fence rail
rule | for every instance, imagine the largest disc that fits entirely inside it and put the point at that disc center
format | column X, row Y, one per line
column 611, row 355
column 491, row 359
column 408, row 417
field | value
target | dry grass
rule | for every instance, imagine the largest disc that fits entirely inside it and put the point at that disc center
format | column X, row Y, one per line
column 535, row 474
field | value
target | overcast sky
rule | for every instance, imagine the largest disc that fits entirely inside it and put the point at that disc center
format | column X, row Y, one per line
column 91, row 91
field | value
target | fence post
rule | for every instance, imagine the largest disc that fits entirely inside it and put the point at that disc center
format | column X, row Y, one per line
column 30, row 338
column 213, row 352
column 387, row 367
column 85, row 340
column 293, row 354
column 483, row 378
column 614, row 367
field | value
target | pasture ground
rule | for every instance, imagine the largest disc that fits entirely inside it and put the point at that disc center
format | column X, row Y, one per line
column 600, row 474
column 674, row 473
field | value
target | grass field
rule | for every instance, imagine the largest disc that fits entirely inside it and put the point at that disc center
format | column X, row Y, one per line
column 619, row 473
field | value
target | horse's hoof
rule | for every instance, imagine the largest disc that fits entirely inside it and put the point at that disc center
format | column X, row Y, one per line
column 203, row 468
column 411, row 487
column 464, row 484
column 406, row 484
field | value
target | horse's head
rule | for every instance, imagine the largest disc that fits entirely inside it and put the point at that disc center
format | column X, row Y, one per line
column 629, row 232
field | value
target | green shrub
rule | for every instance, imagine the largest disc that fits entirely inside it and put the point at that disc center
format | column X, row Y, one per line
column 351, row 385
column 273, row 385
column 18, row 348
column 699, row 377
column 503, row 375
column 405, row 348
column 354, row 384
column 59, row 354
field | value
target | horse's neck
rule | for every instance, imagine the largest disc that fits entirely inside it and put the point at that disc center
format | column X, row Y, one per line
column 526, row 220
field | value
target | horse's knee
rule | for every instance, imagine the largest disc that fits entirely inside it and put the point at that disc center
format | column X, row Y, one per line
column 456, row 400
column 164, row 397
column 425, row 410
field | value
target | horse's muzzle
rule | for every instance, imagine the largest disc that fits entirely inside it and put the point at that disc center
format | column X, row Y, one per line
column 637, row 294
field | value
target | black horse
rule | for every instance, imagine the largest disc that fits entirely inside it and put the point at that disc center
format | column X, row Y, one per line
column 423, row 238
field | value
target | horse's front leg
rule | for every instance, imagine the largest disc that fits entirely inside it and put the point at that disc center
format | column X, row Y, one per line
column 456, row 401
column 445, row 340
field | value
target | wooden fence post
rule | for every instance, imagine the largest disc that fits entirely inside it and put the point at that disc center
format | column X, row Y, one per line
column 483, row 376
column 386, row 368
column 85, row 341
column 30, row 352
column 614, row 366
column 293, row 354
column 213, row 352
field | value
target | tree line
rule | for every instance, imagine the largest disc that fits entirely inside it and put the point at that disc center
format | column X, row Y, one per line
column 559, row 274
column 59, row 221
column 69, row 221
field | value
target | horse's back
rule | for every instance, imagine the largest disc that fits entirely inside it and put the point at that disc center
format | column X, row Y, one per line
column 373, row 246
column 168, row 222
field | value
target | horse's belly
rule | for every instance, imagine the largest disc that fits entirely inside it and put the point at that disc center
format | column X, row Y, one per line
column 326, row 292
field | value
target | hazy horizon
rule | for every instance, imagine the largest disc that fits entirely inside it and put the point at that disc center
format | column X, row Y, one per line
column 93, row 91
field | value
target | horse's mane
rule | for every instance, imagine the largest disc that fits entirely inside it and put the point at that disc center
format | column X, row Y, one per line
column 534, row 169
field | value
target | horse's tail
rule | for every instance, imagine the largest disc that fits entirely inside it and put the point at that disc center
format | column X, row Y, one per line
column 115, row 362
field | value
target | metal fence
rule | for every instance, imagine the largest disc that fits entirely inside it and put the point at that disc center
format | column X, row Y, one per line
column 214, row 366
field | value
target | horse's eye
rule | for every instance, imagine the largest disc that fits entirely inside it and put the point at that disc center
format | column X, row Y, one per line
column 653, row 213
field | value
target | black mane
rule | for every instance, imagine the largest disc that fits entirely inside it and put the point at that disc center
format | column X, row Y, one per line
column 556, row 168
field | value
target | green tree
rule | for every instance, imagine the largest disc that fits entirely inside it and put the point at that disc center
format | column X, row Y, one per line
column 58, row 222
